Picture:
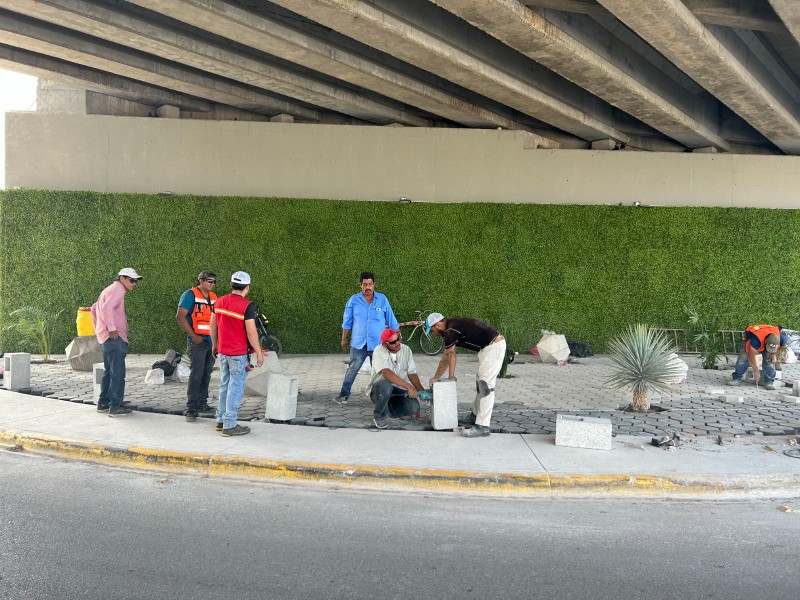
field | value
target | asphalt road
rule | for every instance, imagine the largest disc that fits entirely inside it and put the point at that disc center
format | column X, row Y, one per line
column 70, row 530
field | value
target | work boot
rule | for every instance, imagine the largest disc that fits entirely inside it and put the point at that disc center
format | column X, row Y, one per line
column 476, row 431
column 119, row 412
column 236, row 430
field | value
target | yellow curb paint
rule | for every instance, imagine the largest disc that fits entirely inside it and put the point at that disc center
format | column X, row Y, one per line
column 432, row 480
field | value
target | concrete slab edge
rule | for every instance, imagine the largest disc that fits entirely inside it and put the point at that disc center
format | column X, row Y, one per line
column 426, row 480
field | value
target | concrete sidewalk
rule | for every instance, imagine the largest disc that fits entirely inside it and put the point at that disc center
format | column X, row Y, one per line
column 511, row 464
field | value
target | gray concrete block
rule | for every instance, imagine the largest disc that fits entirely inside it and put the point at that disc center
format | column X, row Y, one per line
column 583, row 432
column 281, row 397
column 778, row 375
column 732, row 398
column 796, row 388
column 714, row 391
column 16, row 370
column 98, row 370
column 791, row 399
column 444, row 407
column 83, row 352
column 257, row 382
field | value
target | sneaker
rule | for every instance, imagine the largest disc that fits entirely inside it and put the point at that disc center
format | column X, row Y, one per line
column 219, row 426
column 236, row 430
column 119, row 412
column 770, row 386
column 191, row 418
column 469, row 419
column 102, row 408
column 340, row 400
column 380, row 423
column 735, row 382
column 476, row 431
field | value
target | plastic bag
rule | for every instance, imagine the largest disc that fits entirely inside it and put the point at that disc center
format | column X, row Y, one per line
column 154, row 377
column 789, row 356
column 181, row 374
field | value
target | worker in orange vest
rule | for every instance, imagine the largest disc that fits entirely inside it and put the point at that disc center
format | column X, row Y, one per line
column 766, row 340
column 194, row 318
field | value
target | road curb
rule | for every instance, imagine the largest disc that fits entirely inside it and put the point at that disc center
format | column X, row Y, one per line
column 427, row 480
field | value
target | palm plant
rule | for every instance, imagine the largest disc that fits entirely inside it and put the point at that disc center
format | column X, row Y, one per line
column 705, row 336
column 35, row 326
column 643, row 360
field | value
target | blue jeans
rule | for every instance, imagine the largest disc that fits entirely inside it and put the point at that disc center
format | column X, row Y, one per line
column 112, row 386
column 767, row 368
column 357, row 358
column 231, row 388
column 391, row 399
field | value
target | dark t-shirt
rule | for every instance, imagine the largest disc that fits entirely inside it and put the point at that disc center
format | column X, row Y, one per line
column 471, row 334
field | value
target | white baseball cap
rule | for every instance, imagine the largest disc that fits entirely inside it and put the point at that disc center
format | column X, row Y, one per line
column 128, row 272
column 241, row 278
column 431, row 320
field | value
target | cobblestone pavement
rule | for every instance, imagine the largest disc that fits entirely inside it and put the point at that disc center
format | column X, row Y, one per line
column 527, row 401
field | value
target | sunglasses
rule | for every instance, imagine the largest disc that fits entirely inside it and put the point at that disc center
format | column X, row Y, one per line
column 133, row 281
column 210, row 280
column 395, row 340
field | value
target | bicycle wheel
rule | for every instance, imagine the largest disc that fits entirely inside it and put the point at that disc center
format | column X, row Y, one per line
column 271, row 343
column 430, row 344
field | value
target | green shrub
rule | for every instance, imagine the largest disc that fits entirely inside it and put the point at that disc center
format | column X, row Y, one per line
column 584, row 271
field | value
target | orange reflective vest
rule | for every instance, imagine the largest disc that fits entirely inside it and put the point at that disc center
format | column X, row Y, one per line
column 761, row 332
column 201, row 315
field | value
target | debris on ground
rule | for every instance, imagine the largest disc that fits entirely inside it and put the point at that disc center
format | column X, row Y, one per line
column 670, row 441
column 785, row 508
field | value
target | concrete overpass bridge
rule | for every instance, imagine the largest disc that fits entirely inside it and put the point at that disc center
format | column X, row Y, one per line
column 720, row 78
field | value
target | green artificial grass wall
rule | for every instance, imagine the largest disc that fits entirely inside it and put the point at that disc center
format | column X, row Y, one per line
column 584, row 271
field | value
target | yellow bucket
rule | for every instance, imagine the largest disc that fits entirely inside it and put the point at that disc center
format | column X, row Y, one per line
column 84, row 321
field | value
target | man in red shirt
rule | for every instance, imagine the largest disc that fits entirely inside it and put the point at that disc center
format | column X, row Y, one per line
column 111, row 329
column 233, row 327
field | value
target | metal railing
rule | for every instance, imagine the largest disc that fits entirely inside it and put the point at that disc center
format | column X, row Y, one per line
column 731, row 340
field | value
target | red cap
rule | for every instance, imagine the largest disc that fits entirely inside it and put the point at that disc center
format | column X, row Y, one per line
column 388, row 334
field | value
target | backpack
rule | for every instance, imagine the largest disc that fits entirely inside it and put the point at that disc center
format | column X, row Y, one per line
column 169, row 363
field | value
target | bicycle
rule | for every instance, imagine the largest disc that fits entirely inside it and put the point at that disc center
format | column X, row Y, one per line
column 265, row 338
column 428, row 343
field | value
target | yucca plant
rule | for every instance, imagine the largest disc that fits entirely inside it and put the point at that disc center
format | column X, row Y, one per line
column 643, row 361
column 35, row 326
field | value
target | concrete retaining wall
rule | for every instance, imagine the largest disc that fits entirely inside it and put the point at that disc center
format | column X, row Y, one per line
column 151, row 155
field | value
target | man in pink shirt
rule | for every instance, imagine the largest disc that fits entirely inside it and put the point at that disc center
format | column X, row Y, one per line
column 111, row 329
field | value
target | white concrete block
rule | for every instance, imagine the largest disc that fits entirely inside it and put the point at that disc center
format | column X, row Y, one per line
column 791, row 399
column 444, row 407
column 16, row 370
column 272, row 363
column 583, row 432
column 712, row 391
column 731, row 398
column 778, row 375
column 281, row 396
column 98, row 370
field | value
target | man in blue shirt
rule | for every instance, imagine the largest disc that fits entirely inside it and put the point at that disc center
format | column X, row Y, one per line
column 366, row 315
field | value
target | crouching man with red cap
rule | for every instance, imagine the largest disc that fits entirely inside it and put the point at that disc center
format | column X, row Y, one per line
column 394, row 385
